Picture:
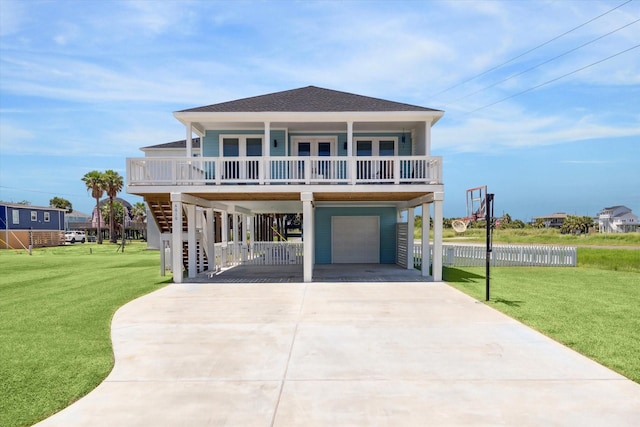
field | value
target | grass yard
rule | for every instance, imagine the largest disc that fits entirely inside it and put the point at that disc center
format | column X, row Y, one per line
column 592, row 308
column 534, row 236
column 55, row 314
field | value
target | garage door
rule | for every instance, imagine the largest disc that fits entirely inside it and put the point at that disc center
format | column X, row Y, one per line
column 355, row 239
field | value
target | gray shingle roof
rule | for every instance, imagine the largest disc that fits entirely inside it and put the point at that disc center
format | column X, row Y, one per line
column 307, row 99
column 195, row 143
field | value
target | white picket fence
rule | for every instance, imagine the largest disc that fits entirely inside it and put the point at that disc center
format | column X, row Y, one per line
column 502, row 255
column 272, row 253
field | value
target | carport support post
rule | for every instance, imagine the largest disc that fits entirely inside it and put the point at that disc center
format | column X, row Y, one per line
column 307, row 235
column 211, row 238
column 426, row 256
column 437, row 237
column 411, row 218
column 191, row 241
column 176, row 241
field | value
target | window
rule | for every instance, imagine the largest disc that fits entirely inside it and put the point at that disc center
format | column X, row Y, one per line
column 34, row 215
column 15, row 215
column 254, row 147
column 241, row 146
column 376, row 146
column 47, row 216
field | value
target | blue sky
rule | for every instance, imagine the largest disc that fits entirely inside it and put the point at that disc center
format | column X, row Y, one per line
column 85, row 84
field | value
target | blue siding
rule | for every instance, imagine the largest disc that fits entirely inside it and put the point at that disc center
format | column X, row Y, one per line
column 278, row 135
column 211, row 144
column 56, row 218
column 404, row 149
column 387, row 231
column 3, row 217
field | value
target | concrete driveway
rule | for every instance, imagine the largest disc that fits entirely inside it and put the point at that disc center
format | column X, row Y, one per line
column 341, row 354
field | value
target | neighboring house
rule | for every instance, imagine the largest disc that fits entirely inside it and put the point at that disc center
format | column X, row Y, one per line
column 617, row 219
column 173, row 149
column 77, row 220
column 349, row 166
column 24, row 225
column 554, row 220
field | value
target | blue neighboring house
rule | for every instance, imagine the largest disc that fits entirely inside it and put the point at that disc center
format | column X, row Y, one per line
column 353, row 168
column 22, row 225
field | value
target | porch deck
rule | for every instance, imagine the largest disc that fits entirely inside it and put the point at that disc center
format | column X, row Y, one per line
column 325, row 273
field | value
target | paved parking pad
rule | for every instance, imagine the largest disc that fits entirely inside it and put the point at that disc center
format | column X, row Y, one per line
column 341, row 354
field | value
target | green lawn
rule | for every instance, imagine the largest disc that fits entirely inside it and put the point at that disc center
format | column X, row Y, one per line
column 590, row 309
column 55, row 314
column 536, row 236
column 56, row 307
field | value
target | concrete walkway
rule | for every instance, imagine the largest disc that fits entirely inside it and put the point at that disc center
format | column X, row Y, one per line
column 341, row 354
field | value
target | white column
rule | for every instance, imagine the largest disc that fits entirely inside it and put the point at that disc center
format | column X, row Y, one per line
column 308, row 235
column 251, row 228
column 176, row 241
column 267, row 139
column 211, row 238
column 236, row 237
column 437, row 237
column 268, row 144
column 224, row 229
column 410, row 228
column 350, row 157
column 426, row 219
column 189, row 140
column 192, row 251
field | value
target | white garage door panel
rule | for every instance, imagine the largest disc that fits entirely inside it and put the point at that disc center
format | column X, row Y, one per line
column 355, row 239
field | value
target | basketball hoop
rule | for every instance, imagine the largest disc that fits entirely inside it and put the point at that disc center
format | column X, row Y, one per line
column 476, row 209
column 460, row 226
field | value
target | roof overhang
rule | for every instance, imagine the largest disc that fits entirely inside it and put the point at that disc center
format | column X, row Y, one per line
column 203, row 121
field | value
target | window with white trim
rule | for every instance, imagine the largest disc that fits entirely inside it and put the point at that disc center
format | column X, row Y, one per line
column 15, row 216
column 34, row 216
column 241, row 146
column 376, row 146
column 47, row 216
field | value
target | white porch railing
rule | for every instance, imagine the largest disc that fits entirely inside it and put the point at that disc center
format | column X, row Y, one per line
column 283, row 170
column 502, row 255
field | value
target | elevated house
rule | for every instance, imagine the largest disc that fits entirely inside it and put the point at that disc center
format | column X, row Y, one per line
column 22, row 226
column 554, row 220
column 352, row 168
column 617, row 219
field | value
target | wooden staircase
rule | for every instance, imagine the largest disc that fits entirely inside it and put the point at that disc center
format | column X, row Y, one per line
column 162, row 212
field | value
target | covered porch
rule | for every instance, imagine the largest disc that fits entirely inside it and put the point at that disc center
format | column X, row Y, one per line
column 190, row 227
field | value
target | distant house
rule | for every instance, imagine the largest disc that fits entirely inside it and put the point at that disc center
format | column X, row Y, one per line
column 24, row 225
column 173, row 149
column 617, row 219
column 554, row 220
column 77, row 220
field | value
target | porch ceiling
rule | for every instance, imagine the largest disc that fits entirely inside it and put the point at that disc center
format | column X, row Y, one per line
column 290, row 202
column 297, row 127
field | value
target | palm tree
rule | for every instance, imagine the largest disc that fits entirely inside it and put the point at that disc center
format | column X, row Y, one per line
column 95, row 184
column 113, row 184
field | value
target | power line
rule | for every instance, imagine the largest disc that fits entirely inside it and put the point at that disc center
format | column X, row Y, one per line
column 542, row 63
column 530, row 50
column 553, row 80
column 41, row 192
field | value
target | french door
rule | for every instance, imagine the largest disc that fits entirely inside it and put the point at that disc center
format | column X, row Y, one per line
column 315, row 147
column 380, row 169
column 241, row 147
